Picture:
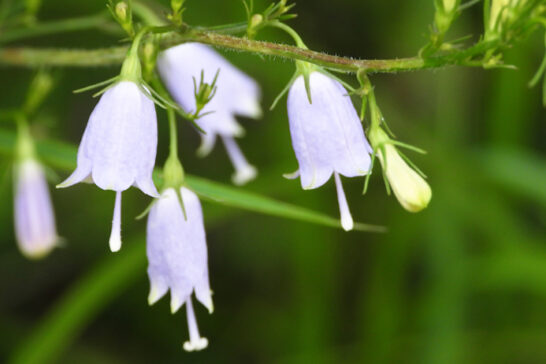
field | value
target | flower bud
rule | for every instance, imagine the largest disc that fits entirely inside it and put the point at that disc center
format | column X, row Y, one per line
column 446, row 14
column 177, row 5
column 502, row 15
column 450, row 5
column 411, row 190
column 39, row 89
column 149, row 56
column 255, row 21
column 121, row 11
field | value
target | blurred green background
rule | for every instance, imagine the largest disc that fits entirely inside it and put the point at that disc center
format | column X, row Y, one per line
column 462, row 282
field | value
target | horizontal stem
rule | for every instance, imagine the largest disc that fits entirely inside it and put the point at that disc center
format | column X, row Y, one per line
column 58, row 26
column 36, row 57
column 291, row 52
column 30, row 57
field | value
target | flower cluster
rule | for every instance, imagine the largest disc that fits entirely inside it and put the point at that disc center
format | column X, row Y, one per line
column 237, row 94
column 119, row 144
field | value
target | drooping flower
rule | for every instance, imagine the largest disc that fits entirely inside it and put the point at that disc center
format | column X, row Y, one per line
column 118, row 146
column 236, row 94
column 33, row 211
column 411, row 190
column 34, row 217
column 327, row 136
column 177, row 257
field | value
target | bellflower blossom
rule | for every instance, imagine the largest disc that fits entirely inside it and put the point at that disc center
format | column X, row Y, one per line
column 177, row 257
column 236, row 94
column 118, row 146
column 34, row 217
column 327, row 136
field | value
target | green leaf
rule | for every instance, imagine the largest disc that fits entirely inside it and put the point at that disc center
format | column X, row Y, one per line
column 235, row 197
column 63, row 156
column 522, row 172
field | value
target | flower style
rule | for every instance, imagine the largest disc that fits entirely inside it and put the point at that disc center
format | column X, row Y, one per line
column 327, row 136
column 411, row 190
column 34, row 217
column 177, row 256
column 118, row 147
column 236, row 94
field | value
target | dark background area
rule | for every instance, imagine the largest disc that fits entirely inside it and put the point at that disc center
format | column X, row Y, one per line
column 462, row 282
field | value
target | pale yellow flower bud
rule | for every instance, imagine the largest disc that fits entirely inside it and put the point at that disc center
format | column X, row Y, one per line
column 501, row 12
column 411, row 190
column 121, row 10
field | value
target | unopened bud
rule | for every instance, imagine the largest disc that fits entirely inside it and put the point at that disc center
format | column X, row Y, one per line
column 256, row 20
column 149, row 55
column 39, row 89
column 176, row 5
column 445, row 15
column 121, row 10
column 411, row 190
column 502, row 15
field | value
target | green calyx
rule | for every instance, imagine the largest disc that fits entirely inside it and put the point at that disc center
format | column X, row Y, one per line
column 173, row 173
column 24, row 148
column 203, row 92
column 173, row 177
column 378, row 138
column 305, row 69
column 131, row 70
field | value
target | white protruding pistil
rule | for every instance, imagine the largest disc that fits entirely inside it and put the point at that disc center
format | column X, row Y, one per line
column 244, row 171
column 196, row 342
column 115, row 235
column 346, row 218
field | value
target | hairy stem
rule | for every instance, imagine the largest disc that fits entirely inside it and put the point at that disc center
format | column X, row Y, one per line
column 59, row 26
column 30, row 57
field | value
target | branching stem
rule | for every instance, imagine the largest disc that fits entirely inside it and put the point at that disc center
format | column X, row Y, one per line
column 36, row 57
